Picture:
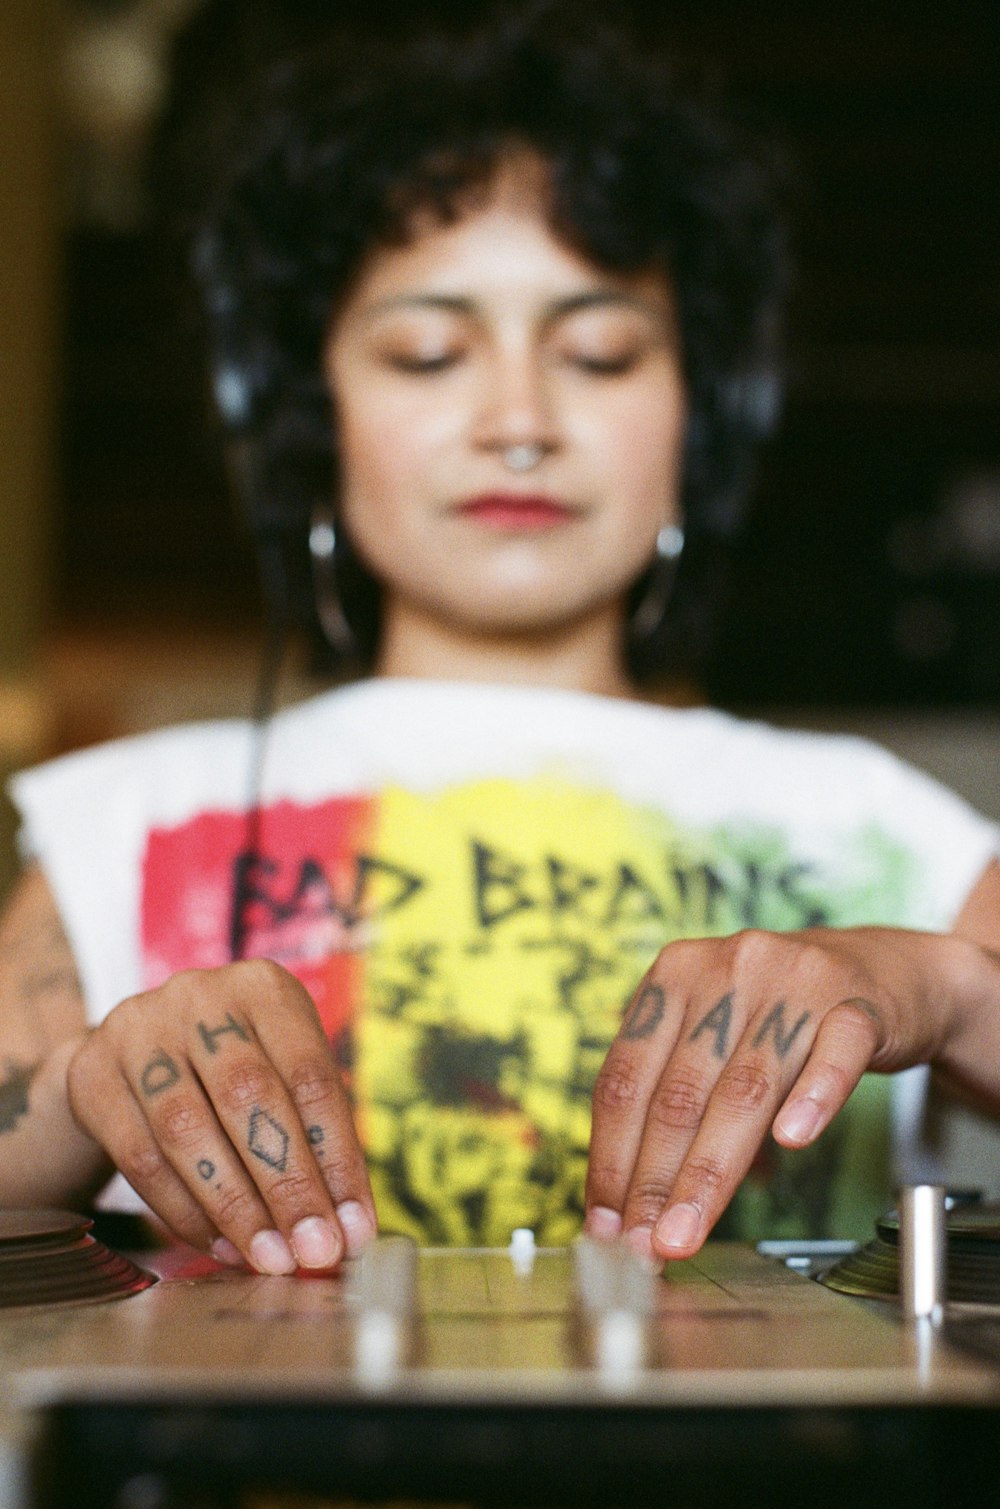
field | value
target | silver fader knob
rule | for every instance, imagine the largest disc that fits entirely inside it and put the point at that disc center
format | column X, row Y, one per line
column 616, row 1298
column 382, row 1298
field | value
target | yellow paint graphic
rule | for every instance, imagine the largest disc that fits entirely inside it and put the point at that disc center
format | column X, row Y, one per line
column 491, row 996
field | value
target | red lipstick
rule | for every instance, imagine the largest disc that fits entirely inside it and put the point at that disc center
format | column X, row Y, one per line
column 516, row 511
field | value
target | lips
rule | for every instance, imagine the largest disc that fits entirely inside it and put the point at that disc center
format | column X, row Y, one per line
column 516, row 511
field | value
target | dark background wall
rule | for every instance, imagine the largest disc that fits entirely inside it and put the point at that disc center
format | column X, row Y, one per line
column 869, row 574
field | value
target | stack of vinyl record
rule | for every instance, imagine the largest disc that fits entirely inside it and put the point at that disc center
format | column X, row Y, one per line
column 48, row 1257
column 973, row 1259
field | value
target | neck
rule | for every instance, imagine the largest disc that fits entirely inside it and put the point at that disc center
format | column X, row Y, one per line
column 583, row 657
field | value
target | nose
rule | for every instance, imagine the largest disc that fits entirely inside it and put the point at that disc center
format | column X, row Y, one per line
column 517, row 409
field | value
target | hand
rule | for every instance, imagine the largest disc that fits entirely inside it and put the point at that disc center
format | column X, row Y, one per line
column 727, row 1038
column 218, row 1098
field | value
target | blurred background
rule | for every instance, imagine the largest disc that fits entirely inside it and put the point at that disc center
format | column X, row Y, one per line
column 128, row 593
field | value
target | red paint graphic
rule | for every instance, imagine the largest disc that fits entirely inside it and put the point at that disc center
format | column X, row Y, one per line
column 294, row 901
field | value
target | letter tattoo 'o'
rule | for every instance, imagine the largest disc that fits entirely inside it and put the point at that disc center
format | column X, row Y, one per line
column 206, row 1168
column 717, row 1021
column 645, row 1014
column 159, row 1074
column 211, row 1035
column 316, row 1135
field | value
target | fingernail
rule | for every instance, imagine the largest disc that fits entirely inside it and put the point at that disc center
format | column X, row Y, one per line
column 800, row 1121
column 224, row 1252
column 357, row 1226
column 270, row 1253
column 678, row 1227
column 316, row 1243
column 602, row 1223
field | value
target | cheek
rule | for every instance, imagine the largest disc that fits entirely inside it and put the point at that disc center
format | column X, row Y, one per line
column 642, row 443
column 388, row 453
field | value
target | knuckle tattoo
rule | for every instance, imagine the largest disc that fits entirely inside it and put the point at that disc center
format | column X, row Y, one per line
column 645, row 1013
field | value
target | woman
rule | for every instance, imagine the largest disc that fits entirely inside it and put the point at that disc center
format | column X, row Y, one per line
column 530, row 296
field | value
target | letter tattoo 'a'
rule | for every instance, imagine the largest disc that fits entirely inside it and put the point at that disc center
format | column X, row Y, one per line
column 159, row 1074
column 717, row 1021
column 211, row 1035
column 774, row 1023
column 646, row 1013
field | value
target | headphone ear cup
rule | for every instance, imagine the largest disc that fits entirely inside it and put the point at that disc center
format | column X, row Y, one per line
column 725, row 430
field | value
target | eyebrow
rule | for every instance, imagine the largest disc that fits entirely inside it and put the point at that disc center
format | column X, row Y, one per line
column 557, row 309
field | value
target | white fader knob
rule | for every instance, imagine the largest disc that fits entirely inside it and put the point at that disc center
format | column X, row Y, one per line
column 922, row 1251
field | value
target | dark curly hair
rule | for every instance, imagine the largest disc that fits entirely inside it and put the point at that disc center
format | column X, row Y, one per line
column 339, row 155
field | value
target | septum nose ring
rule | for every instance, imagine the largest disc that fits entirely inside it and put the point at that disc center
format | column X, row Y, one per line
column 522, row 458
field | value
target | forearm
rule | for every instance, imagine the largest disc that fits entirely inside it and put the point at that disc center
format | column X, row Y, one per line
column 45, row 1157
column 969, row 1060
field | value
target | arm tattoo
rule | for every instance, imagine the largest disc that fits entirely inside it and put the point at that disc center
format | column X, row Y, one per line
column 210, row 1035
column 268, row 1140
column 49, row 967
column 14, row 1095
column 718, row 1022
column 774, row 1023
column 159, row 1074
column 645, row 1014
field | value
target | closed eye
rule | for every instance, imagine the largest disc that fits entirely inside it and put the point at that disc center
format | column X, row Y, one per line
column 423, row 365
column 606, row 366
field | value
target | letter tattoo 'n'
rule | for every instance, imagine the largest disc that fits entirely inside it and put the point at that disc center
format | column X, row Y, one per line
column 210, row 1035
column 774, row 1023
column 159, row 1074
column 717, row 1021
column 646, row 1014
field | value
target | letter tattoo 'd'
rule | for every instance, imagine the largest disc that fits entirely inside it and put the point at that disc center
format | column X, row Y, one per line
column 210, row 1035
column 646, row 1013
column 774, row 1023
column 718, row 1022
column 159, row 1074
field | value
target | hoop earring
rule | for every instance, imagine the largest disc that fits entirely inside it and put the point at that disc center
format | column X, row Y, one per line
column 650, row 611
column 329, row 610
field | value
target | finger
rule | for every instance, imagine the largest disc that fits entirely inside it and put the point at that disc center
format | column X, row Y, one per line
column 680, row 1206
column 846, row 1042
column 185, row 1138
column 95, row 1086
column 621, row 1092
column 258, row 1115
column 306, row 1065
